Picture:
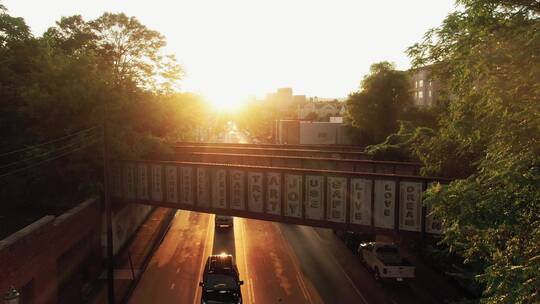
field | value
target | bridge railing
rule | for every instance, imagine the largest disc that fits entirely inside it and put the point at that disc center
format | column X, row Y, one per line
column 277, row 151
column 322, row 147
column 323, row 163
column 374, row 202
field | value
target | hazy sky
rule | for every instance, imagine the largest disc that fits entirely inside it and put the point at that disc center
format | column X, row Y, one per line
column 236, row 48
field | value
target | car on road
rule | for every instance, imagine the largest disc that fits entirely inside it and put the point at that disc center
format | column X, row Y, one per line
column 224, row 221
column 385, row 261
column 353, row 239
column 221, row 281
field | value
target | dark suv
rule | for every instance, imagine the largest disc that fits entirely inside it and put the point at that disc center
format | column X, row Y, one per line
column 221, row 282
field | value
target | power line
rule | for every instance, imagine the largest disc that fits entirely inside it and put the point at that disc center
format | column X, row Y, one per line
column 44, row 161
column 34, row 157
column 49, row 142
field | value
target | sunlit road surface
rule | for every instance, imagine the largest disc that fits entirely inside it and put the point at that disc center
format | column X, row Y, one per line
column 279, row 263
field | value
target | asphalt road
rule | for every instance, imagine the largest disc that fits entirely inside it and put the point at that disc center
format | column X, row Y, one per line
column 279, row 263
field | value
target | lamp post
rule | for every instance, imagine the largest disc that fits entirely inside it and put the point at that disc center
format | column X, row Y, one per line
column 12, row 296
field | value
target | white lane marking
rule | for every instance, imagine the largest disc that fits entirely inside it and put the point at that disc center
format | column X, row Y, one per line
column 172, row 286
column 345, row 274
column 289, row 251
column 244, row 245
column 250, row 288
column 178, row 270
column 203, row 259
column 302, row 286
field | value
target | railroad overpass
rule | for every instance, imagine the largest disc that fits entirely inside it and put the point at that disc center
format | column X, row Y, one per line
column 383, row 203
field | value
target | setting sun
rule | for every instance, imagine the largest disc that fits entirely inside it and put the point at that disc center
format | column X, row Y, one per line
column 225, row 100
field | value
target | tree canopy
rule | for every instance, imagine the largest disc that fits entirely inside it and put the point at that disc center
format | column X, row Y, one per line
column 384, row 99
column 486, row 53
column 58, row 84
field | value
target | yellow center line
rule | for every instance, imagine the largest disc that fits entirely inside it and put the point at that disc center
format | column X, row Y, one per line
column 208, row 242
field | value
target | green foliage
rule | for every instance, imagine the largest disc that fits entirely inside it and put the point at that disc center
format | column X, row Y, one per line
column 383, row 100
column 60, row 83
column 486, row 53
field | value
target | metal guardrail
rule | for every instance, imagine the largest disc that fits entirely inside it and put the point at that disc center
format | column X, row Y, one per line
column 324, row 163
column 277, row 151
column 361, row 201
column 333, row 147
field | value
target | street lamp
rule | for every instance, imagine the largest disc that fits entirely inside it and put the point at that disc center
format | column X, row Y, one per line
column 11, row 296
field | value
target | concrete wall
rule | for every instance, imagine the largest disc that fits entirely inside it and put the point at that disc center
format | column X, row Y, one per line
column 125, row 222
column 50, row 260
column 34, row 258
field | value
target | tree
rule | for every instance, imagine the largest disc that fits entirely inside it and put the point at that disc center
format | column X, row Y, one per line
column 312, row 116
column 384, row 99
column 132, row 50
column 487, row 54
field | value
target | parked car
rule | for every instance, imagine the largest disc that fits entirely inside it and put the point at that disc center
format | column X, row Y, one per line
column 385, row 261
column 353, row 239
column 221, row 281
column 224, row 221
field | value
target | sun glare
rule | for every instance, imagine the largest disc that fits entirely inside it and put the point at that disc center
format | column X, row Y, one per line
column 225, row 101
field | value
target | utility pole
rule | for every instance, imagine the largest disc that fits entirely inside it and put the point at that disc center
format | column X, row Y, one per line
column 108, row 211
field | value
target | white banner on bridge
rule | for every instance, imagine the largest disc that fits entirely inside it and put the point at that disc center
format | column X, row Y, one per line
column 293, row 195
column 385, row 200
column 273, row 193
column 410, row 203
column 255, row 191
column 219, row 189
column 336, row 195
column 203, row 188
column 129, row 177
column 237, row 190
column 314, row 197
column 187, row 185
column 361, row 201
column 171, row 179
column 157, row 185
column 142, row 182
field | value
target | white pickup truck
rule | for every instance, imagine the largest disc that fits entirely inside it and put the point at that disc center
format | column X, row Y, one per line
column 385, row 261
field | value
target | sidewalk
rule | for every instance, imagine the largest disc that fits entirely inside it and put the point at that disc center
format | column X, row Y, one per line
column 132, row 259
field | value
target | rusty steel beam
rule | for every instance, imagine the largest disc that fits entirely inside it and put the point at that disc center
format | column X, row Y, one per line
column 353, row 165
column 248, row 149
column 342, row 148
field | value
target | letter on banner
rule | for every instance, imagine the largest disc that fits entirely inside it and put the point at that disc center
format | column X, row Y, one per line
column 142, row 182
column 157, row 184
column 336, row 197
column 237, row 190
column 219, row 194
column 293, row 195
column 384, row 203
column 171, row 177
column 273, row 193
column 410, row 206
column 255, row 191
column 129, row 181
column 203, row 188
column 361, row 201
column 187, row 185
column 314, row 197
